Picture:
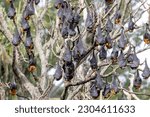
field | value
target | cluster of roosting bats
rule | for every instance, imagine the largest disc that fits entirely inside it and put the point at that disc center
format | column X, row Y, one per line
column 17, row 36
column 69, row 19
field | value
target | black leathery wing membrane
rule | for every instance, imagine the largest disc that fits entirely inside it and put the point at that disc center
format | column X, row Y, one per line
column 137, row 80
column 24, row 24
column 107, row 91
column 121, row 60
column 93, row 91
column 67, row 57
column 64, row 30
column 135, row 63
column 114, row 85
column 122, row 41
column 75, row 53
column 71, row 30
column 89, row 23
column 117, row 16
column 13, row 88
column 99, row 82
column 131, row 24
column 109, row 25
column 58, row 72
column 146, row 36
column 16, row 38
column 60, row 14
column 11, row 11
column 99, row 37
column 114, row 54
column 80, row 47
column 29, row 42
column 29, row 10
column 32, row 62
column 68, row 71
column 146, row 71
column 69, row 14
column 103, row 53
column 93, row 61
column 108, row 41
